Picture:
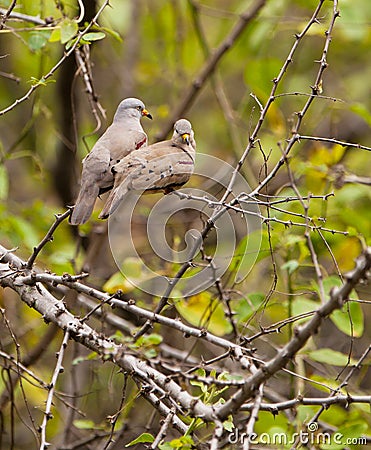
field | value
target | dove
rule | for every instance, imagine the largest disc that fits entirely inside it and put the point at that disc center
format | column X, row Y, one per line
column 164, row 166
column 123, row 136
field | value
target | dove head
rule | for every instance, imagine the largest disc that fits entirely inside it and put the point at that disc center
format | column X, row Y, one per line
column 183, row 132
column 131, row 108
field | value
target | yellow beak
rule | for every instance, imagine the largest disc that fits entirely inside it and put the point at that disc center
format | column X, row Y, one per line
column 186, row 138
column 146, row 113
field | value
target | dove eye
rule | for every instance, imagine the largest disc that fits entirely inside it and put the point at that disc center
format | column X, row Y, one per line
column 139, row 108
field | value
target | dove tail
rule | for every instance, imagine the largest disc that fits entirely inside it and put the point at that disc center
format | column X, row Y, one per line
column 84, row 206
column 112, row 202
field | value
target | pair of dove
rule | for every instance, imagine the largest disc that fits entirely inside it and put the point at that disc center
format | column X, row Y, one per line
column 121, row 161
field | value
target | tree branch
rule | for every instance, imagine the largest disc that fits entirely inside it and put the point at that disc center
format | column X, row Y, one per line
column 59, row 218
column 338, row 297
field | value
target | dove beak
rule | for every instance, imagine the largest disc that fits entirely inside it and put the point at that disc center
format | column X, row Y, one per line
column 146, row 113
column 185, row 138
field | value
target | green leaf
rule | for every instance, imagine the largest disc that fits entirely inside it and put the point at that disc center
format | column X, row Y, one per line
column 4, row 183
column 228, row 425
column 166, row 446
column 362, row 111
column 332, row 357
column 23, row 229
column 144, row 437
column 37, row 40
column 245, row 307
column 152, row 339
column 150, row 353
column 94, row 36
column 200, row 310
column 302, row 305
column 79, row 359
column 84, row 424
column 117, row 282
column 69, row 29
column 182, row 443
column 290, row 266
column 56, row 35
column 113, row 33
column 328, row 284
column 349, row 319
column 40, row 81
column 251, row 249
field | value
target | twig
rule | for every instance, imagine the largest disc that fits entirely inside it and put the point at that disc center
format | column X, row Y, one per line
column 344, row 383
column 216, row 80
column 217, row 435
column 58, row 369
column 59, row 218
column 95, row 309
column 114, row 418
column 53, row 310
column 29, row 359
column 306, row 94
column 253, row 417
column 10, row 76
column 163, row 430
column 313, row 254
column 333, row 141
column 6, row 13
column 339, row 399
column 84, row 68
column 25, row 17
column 263, row 112
column 136, row 310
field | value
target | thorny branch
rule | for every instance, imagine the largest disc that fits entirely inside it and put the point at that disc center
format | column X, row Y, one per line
column 58, row 369
column 334, row 142
column 37, row 296
column 59, row 218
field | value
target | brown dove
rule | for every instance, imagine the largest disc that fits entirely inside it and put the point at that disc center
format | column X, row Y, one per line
column 123, row 136
column 163, row 166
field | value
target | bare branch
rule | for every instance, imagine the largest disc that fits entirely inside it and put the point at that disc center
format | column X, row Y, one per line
column 338, row 399
column 163, row 430
column 58, row 369
column 333, row 141
column 59, row 218
column 254, row 416
column 24, row 17
column 6, row 13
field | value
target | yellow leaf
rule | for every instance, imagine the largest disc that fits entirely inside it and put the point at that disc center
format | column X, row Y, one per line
column 204, row 312
column 118, row 282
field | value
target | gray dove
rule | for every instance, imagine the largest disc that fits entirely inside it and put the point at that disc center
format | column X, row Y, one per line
column 123, row 136
column 163, row 166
